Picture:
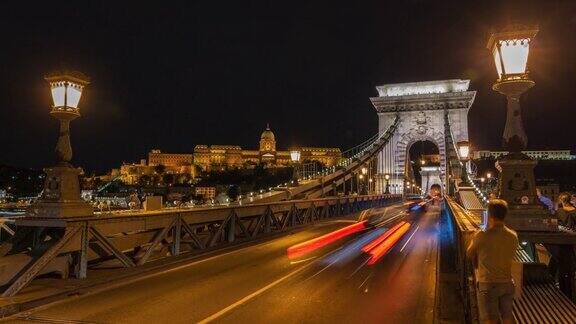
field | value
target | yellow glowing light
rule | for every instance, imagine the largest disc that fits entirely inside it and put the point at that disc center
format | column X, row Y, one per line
column 464, row 150
column 510, row 48
column 514, row 56
column 66, row 89
column 295, row 156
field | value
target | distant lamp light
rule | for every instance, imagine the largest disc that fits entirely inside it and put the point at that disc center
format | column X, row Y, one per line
column 361, row 176
column 482, row 179
column 364, row 170
column 370, row 180
column 464, row 150
column 295, row 156
column 387, row 176
column 489, row 175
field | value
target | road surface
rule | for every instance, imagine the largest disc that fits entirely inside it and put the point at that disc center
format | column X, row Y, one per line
column 261, row 284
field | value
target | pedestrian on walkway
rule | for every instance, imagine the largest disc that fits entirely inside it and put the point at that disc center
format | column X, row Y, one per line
column 566, row 213
column 492, row 252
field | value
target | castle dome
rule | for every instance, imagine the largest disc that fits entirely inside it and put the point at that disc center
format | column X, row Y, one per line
column 267, row 134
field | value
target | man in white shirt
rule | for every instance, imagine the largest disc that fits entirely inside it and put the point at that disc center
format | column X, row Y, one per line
column 492, row 252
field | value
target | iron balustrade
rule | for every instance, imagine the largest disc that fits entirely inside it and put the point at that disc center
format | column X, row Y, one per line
column 134, row 239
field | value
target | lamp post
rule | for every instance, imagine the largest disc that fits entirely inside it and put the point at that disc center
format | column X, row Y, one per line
column 61, row 195
column 510, row 48
column 464, row 157
column 387, row 178
column 364, row 172
column 295, row 157
column 463, row 151
column 370, row 185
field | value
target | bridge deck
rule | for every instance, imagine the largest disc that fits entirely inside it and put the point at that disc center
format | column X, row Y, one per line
column 543, row 303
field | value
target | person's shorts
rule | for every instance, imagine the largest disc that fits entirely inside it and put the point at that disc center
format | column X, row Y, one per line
column 495, row 300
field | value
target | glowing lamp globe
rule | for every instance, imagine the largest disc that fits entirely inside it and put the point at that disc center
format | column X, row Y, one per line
column 66, row 89
column 464, row 150
column 387, row 177
column 295, row 156
column 510, row 48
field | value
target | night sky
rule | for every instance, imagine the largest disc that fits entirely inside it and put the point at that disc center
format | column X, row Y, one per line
column 170, row 76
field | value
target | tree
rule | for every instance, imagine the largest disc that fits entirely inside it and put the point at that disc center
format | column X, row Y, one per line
column 233, row 192
column 168, row 178
column 160, row 169
column 144, row 180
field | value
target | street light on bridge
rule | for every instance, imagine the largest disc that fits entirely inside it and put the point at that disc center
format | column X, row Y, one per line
column 510, row 48
column 61, row 194
column 387, row 177
column 463, row 151
column 295, row 157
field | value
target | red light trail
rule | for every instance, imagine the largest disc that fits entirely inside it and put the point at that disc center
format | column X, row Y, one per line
column 303, row 248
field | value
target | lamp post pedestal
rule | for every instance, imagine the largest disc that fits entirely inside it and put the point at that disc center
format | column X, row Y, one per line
column 517, row 186
column 516, row 183
column 295, row 174
column 61, row 195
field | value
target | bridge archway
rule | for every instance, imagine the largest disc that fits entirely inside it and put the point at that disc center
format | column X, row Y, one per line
column 422, row 108
column 423, row 164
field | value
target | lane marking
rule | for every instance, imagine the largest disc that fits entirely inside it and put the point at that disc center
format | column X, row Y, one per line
column 251, row 296
column 301, row 261
column 410, row 238
column 365, row 280
column 265, row 288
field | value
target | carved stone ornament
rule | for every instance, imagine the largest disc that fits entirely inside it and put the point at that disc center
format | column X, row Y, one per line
column 421, row 118
column 421, row 129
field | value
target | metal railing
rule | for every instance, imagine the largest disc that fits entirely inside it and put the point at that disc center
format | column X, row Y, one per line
column 331, row 178
column 465, row 227
column 133, row 239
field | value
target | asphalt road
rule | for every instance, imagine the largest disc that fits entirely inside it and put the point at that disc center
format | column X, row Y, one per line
column 260, row 284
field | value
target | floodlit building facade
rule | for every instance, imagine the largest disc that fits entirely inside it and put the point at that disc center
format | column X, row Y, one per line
column 222, row 157
column 562, row 155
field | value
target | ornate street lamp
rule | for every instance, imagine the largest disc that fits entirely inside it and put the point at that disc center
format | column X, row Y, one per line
column 510, row 48
column 387, row 177
column 463, row 151
column 61, row 194
column 295, row 157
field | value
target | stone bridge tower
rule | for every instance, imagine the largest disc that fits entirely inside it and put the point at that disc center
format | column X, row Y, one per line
column 421, row 107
